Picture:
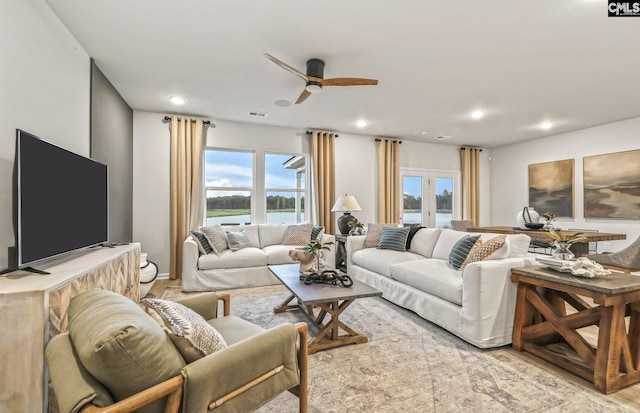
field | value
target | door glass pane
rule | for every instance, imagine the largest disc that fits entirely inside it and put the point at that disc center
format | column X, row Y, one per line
column 444, row 202
column 285, row 207
column 228, row 207
column 412, row 200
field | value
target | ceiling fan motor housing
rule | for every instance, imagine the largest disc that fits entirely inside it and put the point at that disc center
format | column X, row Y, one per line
column 315, row 68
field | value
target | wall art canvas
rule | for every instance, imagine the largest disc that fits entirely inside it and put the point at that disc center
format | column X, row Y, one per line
column 551, row 187
column 612, row 185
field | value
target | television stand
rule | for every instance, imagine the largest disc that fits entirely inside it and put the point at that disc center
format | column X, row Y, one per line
column 35, row 270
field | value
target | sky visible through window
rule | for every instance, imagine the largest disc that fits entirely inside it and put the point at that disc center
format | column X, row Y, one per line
column 235, row 169
column 412, row 185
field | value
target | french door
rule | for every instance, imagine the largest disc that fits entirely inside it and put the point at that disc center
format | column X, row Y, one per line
column 430, row 198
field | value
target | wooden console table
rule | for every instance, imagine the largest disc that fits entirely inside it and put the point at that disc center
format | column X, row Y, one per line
column 34, row 308
column 579, row 248
column 542, row 326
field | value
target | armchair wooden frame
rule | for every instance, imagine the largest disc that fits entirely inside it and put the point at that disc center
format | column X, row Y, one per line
column 173, row 386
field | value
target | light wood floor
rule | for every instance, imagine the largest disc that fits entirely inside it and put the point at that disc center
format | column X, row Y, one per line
column 629, row 396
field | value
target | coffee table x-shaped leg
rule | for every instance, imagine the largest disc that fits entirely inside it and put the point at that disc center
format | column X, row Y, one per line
column 329, row 335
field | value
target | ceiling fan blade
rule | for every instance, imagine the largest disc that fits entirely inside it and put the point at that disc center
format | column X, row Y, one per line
column 303, row 96
column 347, row 81
column 286, row 66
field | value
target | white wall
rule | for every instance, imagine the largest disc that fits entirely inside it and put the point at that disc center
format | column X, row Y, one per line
column 355, row 169
column 44, row 84
column 509, row 174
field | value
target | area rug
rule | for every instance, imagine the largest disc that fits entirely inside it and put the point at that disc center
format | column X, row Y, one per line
column 412, row 365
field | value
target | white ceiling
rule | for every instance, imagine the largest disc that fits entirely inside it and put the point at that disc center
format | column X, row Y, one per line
column 522, row 62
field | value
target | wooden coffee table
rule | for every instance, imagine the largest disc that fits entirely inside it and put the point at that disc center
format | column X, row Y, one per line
column 542, row 326
column 331, row 300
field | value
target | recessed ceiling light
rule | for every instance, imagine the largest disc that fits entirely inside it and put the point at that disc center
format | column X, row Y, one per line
column 477, row 114
column 546, row 125
column 283, row 103
column 424, row 132
column 177, row 100
column 361, row 123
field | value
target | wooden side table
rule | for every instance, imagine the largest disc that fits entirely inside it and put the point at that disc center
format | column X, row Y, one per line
column 341, row 251
column 542, row 326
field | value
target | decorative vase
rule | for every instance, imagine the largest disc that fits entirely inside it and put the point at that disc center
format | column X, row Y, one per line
column 562, row 251
column 528, row 215
column 306, row 261
column 548, row 225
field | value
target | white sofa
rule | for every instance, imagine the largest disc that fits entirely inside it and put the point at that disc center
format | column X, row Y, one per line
column 246, row 267
column 477, row 304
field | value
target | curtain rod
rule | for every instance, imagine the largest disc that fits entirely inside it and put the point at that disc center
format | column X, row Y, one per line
column 206, row 122
column 462, row 148
column 392, row 140
column 310, row 132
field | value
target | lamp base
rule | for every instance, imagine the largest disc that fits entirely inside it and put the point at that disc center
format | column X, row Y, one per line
column 343, row 223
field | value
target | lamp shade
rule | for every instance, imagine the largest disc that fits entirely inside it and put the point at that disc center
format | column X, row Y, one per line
column 346, row 203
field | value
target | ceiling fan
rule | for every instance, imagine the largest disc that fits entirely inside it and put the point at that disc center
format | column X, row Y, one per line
column 314, row 77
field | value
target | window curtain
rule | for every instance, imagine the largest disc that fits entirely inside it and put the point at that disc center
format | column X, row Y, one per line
column 187, row 208
column 470, row 165
column 323, row 173
column 388, row 181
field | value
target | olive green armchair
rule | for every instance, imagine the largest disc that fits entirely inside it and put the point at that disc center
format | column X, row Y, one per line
column 117, row 358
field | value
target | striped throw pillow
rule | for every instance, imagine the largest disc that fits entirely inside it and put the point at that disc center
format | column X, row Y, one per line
column 316, row 232
column 374, row 233
column 394, row 238
column 203, row 243
column 462, row 249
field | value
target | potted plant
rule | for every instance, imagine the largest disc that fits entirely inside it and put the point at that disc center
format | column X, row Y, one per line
column 356, row 226
column 563, row 242
column 315, row 248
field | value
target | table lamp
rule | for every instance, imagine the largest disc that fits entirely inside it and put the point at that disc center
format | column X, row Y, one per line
column 345, row 203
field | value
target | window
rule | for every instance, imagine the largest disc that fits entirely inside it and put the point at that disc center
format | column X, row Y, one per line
column 429, row 198
column 285, row 181
column 229, row 186
column 235, row 194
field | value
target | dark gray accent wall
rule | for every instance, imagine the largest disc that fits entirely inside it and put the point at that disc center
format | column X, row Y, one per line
column 112, row 144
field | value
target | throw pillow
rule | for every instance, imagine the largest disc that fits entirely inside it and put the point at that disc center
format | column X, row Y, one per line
column 203, row 243
column 394, row 238
column 412, row 232
column 238, row 240
column 119, row 344
column 191, row 334
column 298, row 234
column 316, row 232
column 374, row 233
column 485, row 250
column 217, row 238
column 462, row 249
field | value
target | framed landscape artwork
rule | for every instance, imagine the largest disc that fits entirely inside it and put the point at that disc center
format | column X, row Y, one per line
column 612, row 185
column 551, row 187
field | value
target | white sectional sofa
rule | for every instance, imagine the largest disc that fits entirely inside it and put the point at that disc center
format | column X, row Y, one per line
column 477, row 304
column 246, row 267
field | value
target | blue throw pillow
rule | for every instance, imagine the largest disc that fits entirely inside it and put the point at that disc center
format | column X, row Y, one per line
column 394, row 238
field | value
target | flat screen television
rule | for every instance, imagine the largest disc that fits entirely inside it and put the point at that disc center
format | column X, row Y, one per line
column 60, row 201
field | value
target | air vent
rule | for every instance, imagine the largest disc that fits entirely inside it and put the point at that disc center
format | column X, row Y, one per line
column 257, row 114
column 442, row 137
